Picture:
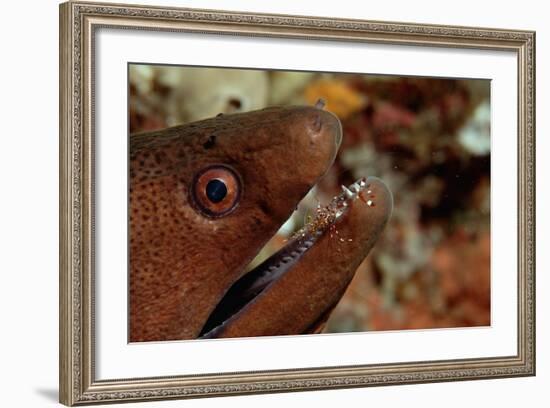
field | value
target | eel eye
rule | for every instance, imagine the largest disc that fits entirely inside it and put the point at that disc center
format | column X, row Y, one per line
column 216, row 190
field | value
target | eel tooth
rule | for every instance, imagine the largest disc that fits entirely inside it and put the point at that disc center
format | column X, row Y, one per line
column 347, row 192
column 354, row 188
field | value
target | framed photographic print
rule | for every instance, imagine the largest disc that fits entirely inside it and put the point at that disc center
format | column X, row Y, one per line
column 259, row 203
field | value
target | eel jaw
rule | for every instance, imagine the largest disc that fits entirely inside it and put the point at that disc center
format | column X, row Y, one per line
column 254, row 287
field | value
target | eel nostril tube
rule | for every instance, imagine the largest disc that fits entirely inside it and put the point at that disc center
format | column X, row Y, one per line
column 320, row 104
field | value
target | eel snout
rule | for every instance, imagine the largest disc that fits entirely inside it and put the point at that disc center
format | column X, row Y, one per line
column 296, row 289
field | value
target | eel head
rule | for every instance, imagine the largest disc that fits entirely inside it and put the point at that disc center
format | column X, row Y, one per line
column 205, row 197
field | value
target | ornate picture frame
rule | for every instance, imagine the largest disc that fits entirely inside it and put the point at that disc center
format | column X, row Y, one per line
column 79, row 22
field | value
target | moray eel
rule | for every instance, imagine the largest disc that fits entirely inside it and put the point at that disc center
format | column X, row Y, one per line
column 205, row 197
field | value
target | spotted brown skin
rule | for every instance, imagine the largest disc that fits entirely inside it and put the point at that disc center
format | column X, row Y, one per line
column 182, row 261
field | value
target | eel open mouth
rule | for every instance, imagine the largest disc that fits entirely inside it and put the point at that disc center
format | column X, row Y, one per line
column 316, row 265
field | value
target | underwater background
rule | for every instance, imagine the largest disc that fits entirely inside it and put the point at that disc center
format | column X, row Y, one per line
column 427, row 138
